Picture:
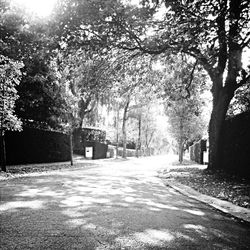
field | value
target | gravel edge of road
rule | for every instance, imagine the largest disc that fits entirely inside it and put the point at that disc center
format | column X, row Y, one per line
column 226, row 207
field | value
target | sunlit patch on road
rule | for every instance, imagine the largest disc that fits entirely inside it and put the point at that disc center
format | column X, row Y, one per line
column 13, row 205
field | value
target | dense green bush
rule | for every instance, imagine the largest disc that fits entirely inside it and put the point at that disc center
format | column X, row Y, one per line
column 89, row 134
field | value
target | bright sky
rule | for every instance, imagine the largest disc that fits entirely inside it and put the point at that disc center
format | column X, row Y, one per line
column 246, row 58
column 42, row 8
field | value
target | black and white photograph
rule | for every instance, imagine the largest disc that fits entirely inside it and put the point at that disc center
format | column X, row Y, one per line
column 124, row 124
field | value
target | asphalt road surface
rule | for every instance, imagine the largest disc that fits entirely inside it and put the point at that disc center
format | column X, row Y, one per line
column 114, row 205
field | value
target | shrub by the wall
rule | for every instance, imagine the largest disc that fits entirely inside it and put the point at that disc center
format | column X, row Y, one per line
column 36, row 146
column 89, row 134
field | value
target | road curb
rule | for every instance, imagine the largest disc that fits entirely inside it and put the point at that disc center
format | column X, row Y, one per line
column 224, row 206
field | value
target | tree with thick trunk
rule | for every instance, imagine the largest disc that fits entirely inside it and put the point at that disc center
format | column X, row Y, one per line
column 215, row 33
column 220, row 107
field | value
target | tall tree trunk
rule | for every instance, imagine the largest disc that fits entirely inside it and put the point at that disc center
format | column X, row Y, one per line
column 216, row 137
column 3, row 151
column 138, row 146
column 117, row 131
column 181, row 146
column 229, row 60
column 71, row 147
column 124, row 129
column 181, row 142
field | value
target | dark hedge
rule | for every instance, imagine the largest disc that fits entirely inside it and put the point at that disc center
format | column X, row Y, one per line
column 36, row 146
column 87, row 137
column 81, row 135
column 89, row 134
column 78, row 142
column 236, row 151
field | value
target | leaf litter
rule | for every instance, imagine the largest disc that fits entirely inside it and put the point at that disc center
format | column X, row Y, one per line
column 220, row 184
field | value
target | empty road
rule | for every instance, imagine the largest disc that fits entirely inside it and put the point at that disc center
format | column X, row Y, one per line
column 113, row 205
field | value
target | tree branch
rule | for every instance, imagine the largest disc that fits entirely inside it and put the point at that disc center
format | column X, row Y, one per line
column 190, row 80
column 222, row 55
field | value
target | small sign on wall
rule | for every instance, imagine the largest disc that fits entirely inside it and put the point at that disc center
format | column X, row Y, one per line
column 89, row 152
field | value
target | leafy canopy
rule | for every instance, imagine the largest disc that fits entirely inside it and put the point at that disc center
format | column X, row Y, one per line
column 10, row 75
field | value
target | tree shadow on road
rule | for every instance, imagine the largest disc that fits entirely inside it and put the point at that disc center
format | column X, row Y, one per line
column 79, row 210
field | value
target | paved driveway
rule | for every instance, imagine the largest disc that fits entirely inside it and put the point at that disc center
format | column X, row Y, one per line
column 114, row 205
